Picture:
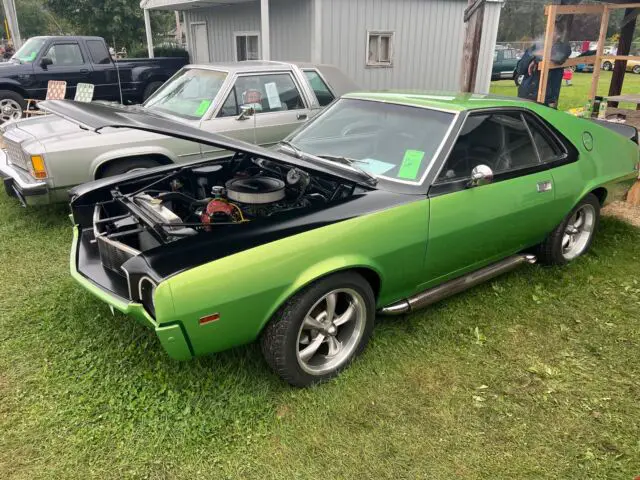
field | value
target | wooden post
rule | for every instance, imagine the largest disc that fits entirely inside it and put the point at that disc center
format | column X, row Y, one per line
column 550, row 10
column 624, row 47
column 604, row 23
column 474, row 18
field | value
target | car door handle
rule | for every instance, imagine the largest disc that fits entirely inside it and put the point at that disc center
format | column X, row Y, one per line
column 302, row 116
column 545, row 186
column 84, row 70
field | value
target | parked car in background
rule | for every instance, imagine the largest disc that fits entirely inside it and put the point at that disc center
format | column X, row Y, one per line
column 632, row 66
column 258, row 102
column 77, row 60
column 583, row 67
column 504, row 63
column 359, row 211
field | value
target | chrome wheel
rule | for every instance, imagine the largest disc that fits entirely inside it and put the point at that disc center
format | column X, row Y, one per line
column 10, row 110
column 578, row 232
column 331, row 331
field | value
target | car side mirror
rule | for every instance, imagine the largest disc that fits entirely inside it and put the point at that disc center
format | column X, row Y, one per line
column 480, row 175
column 246, row 112
column 45, row 62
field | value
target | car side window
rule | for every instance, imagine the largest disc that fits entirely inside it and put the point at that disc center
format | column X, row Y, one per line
column 99, row 52
column 265, row 93
column 323, row 94
column 500, row 140
column 230, row 106
column 548, row 149
column 65, row 54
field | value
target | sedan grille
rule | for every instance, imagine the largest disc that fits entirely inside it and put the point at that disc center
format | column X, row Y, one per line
column 113, row 254
column 15, row 154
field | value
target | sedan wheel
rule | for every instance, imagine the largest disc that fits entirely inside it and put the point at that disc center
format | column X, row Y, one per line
column 573, row 236
column 636, row 69
column 331, row 331
column 578, row 232
column 10, row 110
column 320, row 330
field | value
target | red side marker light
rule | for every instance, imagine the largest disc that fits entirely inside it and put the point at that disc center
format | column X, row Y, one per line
column 214, row 317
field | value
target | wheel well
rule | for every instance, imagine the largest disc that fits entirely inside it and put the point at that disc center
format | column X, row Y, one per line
column 160, row 159
column 372, row 277
column 14, row 88
column 601, row 193
column 155, row 79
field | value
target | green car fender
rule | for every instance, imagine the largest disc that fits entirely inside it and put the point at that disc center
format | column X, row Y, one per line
column 246, row 289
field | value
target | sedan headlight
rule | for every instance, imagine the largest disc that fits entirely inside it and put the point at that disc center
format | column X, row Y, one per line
column 37, row 167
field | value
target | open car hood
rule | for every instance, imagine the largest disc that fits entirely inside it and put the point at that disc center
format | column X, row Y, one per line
column 96, row 116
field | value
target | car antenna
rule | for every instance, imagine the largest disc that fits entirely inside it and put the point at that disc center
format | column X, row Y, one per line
column 118, row 74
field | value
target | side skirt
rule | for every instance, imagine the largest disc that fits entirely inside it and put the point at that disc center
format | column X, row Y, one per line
column 457, row 285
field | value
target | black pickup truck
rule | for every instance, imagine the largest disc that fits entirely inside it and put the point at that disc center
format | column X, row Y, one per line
column 77, row 60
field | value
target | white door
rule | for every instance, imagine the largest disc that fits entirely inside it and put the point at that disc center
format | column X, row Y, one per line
column 200, row 42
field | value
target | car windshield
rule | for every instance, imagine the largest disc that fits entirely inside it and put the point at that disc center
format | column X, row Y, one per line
column 189, row 94
column 390, row 141
column 29, row 51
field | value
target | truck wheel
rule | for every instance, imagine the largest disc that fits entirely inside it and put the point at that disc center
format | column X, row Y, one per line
column 150, row 89
column 574, row 235
column 320, row 330
column 12, row 105
column 126, row 165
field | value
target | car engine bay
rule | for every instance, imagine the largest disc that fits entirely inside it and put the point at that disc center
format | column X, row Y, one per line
column 198, row 199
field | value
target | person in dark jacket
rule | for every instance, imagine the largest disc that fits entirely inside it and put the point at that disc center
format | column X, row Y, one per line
column 528, row 67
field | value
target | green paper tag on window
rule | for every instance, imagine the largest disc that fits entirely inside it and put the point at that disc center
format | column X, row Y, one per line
column 203, row 107
column 411, row 164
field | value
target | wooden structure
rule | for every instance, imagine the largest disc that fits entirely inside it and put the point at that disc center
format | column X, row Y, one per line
column 552, row 11
column 473, row 18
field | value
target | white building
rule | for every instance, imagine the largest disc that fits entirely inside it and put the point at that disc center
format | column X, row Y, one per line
column 380, row 44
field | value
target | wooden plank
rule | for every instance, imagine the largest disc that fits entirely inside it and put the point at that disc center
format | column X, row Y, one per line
column 471, row 52
column 631, row 98
column 604, row 22
column 616, row 6
column 571, row 62
column 546, row 53
column 620, row 57
column 579, row 9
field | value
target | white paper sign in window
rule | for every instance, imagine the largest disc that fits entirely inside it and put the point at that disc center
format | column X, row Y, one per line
column 272, row 96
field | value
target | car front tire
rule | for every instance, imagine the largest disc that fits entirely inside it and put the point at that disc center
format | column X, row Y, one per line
column 573, row 237
column 607, row 66
column 320, row 330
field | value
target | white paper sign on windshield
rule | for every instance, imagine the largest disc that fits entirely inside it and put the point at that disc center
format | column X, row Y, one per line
column 272, row 96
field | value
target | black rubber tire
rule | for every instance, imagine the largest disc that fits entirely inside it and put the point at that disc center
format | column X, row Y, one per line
column 150, row 89
column 16, row 97
column 636, row 69
column 607, row 66
column 125, row 165
column 549, row 252
column 280, row 336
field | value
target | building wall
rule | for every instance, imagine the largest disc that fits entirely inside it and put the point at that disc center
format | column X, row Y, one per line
column 290, row 24
column 428, row 39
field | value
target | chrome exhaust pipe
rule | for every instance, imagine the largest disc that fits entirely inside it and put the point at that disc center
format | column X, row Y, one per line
column 457, row 285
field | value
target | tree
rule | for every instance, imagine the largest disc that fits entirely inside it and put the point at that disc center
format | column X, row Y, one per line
column 36, row 19
column 120, row 22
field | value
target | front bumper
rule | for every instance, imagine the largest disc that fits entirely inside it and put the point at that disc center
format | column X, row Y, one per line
column 172, row 337
column 22, row 185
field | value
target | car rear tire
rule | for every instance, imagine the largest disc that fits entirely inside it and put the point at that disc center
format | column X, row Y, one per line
column 150, row 89
column 607, row 66
column 320, row 330
column 12, row 105
column 573, row 237
column 126, row 165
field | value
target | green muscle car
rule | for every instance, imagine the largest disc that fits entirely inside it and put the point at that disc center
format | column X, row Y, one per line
column 384, row 203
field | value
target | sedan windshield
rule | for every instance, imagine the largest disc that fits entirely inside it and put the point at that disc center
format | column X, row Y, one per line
column 29, row 51
column 386, row 140
column 189, row 94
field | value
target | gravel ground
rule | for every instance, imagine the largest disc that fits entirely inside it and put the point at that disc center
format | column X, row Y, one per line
column 624, row 211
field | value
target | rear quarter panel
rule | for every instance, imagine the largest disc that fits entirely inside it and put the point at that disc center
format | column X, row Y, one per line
column 606, row 159
column 246, row 289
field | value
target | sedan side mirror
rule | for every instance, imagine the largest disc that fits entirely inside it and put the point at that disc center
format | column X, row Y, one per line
column 246, row 112
column 45, row 62
column 480, row 175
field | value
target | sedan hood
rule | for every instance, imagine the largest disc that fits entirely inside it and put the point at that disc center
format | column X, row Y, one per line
column 44, row 127
column 95, row 117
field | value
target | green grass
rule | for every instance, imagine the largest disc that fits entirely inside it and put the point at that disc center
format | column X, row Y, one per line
column 534, row 375
column 576, row 95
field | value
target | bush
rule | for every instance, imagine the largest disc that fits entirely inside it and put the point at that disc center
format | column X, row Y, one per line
column 161, row 51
